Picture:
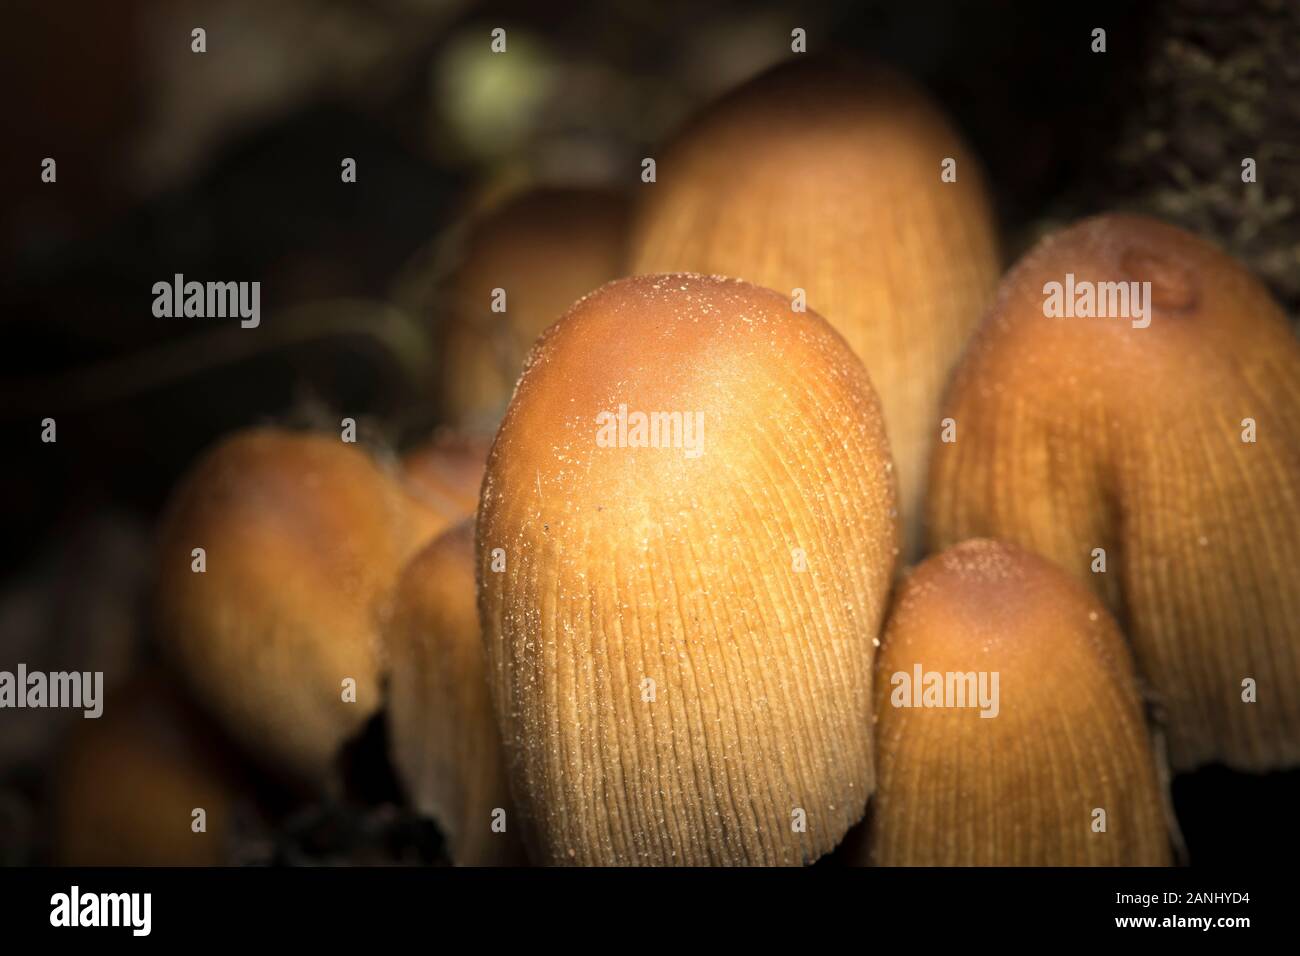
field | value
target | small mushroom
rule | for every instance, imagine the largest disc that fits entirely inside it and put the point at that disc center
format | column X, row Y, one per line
column 278, row 556
column 1155, row 454
column 685, row 542
column 1009, row 727
column 522, row 264
column 128, row 786
column 826, row 182
column 443, row 732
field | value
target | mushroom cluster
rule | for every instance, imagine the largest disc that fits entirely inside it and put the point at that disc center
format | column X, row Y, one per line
column 669, row 615
column 1157, row 458
column 304, row 585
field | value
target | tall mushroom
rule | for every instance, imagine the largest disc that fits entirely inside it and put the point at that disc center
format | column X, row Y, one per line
column 830, row 184
column 1155, row 454
column 1009, row 727
column 685, row 541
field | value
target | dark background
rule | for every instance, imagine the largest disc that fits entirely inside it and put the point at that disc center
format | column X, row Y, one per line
column 226, row 164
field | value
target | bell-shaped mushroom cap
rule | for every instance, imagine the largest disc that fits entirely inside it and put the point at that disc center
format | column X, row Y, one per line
column 826, row 181
column 684, row 544
column 443, row 732
column 276, row 622
column 543, row 249
column 1154, row 455
column 1009, row 728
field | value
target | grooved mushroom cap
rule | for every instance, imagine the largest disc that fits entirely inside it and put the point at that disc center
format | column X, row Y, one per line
column 304, row 537
column 545, row 248
column 672, row 688
column 1077, row 434
column 826, row 177
column 442, row 728
column 1067, row 735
